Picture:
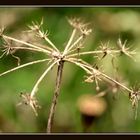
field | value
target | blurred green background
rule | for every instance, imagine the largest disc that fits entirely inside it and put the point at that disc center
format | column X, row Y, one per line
column 108, row 24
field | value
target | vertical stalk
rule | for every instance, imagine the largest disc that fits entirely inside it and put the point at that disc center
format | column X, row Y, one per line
column 55, row 96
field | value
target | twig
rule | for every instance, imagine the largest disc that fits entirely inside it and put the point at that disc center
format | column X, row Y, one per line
column 41, row 78
column 26, row 48
column 55, row 97
column 94, row 52
column 86, row 68
column 48, row 40
column 70, row 41
column 24, row 65
column 75, row 43
column 25, row 43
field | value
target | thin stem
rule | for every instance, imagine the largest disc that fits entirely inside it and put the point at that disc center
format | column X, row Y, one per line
column 48, row 40
column 75, row 43
column 79, row 64
column 94, row 52
column 25, row 48
column 41, row 78
column 55, row 97
column 17, row 58
column 24, row 65
column 109, row 78
column 70, row 41
column 75, row 49
column 116, row 82
column 25, row 43
column 2, row 54
column 44, row 47
column 84, row 64
column 87, row 67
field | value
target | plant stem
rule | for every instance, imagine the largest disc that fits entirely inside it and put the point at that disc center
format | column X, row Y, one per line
column 26, row 43
column 75, row 43
column 55, row 96
column 88, row 68
column 24, row 65
column 41, row 78
column 69, row 42
column 94, row 52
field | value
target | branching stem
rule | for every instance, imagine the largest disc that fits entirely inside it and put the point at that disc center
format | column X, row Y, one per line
column 25, row 48
column 24, row 65
column 75, row 43
column 54, row 47
column 88, row 68
column 94, row 52
column 25, row 43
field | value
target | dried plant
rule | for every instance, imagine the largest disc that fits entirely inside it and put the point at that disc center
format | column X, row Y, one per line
column 72, row 53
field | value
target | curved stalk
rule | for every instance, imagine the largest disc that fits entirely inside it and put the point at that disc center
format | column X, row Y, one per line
column 41, row 78
column 25, row 43
column 88, row 68
column 24, row 65
column 94, row 52
column 70, row 41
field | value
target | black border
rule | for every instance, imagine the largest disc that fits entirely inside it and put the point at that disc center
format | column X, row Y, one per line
column 69, row 136
column 68, row 3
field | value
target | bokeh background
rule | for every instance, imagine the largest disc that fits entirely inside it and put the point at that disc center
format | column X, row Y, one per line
column 108, row 24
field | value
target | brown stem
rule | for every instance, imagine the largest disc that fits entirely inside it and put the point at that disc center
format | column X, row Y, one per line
column 55, row 97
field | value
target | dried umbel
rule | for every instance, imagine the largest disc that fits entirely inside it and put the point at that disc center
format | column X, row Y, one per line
column 27, row 100
column 134, row 98
column 72, row 53
column 9, row 49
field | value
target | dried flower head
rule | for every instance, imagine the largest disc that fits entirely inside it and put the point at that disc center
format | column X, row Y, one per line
column 77, row 23
column 28, row 100
column 124, row 50
column 35, row 26
column 58, row 58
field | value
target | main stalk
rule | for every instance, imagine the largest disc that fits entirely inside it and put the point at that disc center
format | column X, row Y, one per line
column 55, row 96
